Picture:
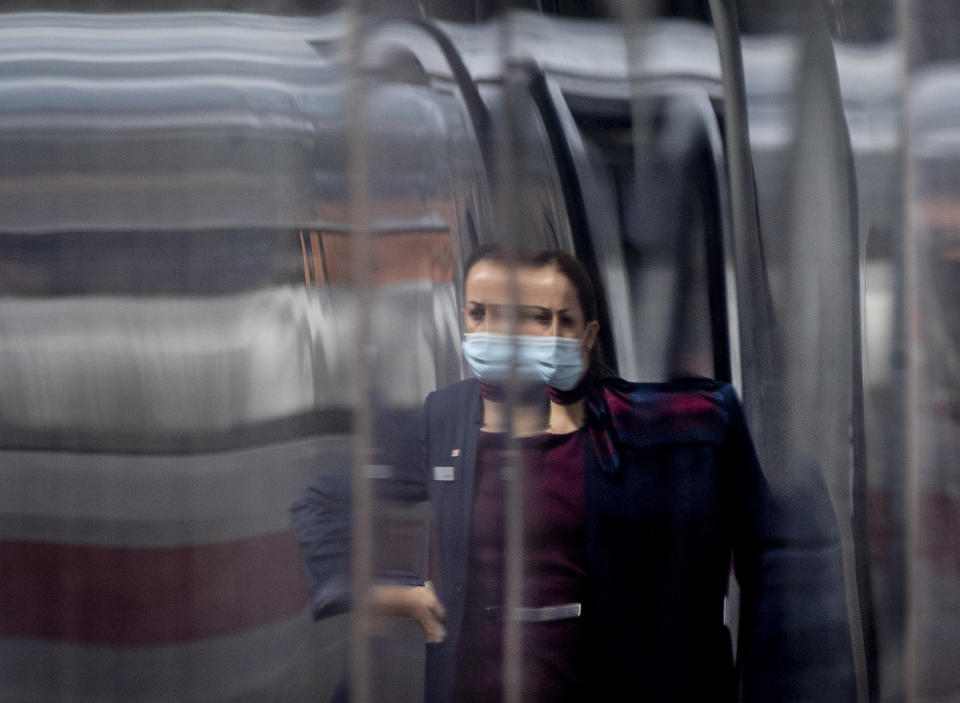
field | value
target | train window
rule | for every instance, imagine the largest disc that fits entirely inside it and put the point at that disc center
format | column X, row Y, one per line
column 150, row 262
column 397, row 256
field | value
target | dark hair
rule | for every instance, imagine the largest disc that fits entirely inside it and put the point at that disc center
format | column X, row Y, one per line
column 563, row 262
column 501, row 253
column 575, row 273
column 557, row 258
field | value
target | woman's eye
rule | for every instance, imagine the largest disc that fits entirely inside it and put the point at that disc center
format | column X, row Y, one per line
column 543, row 318
column 475, row 313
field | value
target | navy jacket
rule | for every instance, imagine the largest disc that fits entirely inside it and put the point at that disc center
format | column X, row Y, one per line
column 687, row 500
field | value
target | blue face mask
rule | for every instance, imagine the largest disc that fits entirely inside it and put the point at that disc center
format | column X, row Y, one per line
column 556, row 361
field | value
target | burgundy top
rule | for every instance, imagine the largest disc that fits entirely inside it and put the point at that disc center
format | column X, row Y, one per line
column 554, row 570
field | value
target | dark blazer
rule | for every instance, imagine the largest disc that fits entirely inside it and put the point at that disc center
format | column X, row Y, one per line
column 687, row 500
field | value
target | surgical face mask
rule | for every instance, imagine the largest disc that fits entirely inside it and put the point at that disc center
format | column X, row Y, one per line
column 556, row 361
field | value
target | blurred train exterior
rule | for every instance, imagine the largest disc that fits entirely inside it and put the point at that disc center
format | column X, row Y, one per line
column 177, row 322
column 145, row 341
column 170, row 384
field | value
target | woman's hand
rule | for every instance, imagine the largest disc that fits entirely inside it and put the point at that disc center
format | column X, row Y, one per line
column 419, row 603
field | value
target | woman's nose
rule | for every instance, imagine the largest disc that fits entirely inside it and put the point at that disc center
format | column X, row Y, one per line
column 498, row 324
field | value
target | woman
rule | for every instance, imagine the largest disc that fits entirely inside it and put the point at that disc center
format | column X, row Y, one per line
column 636, row 497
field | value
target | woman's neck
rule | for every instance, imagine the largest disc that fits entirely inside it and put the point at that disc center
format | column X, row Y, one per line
column 531, row 420
column 566, row 418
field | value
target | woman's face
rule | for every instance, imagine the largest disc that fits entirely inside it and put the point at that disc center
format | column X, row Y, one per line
column 545, row 302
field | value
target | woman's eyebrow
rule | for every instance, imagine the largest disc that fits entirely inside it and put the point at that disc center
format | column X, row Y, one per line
column 508, row 306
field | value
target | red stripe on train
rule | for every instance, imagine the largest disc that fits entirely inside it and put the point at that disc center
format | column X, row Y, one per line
column 138, row 596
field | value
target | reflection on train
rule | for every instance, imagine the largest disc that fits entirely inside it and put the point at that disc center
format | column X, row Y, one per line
column 180, row 303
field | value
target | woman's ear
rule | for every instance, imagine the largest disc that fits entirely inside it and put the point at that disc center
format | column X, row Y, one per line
column 590, row 335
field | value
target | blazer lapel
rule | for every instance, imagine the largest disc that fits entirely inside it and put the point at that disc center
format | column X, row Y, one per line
column 469, row 439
